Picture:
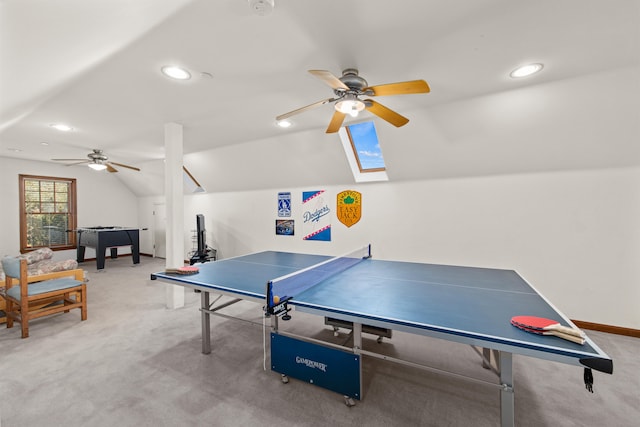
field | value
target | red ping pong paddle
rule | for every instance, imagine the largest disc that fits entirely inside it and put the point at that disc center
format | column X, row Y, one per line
column 542, row 324
column 183, row 270
column 567, row 337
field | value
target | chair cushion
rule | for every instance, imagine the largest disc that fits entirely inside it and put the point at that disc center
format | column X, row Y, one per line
column 50, row 266
column 43, row 266
column 11, row 266
column 45, row 286
column 37, row 255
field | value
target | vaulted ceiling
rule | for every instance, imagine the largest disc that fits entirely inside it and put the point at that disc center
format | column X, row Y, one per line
column 95, row 65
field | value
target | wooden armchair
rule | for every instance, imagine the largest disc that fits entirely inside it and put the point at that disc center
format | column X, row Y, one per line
column 31, row 297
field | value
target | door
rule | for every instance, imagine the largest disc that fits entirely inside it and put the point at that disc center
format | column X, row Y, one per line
column 159, row 230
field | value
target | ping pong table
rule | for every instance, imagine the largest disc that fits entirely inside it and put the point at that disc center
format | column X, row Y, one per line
column 467, row 305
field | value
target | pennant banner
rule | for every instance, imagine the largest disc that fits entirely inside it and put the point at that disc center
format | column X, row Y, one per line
column 316, row 221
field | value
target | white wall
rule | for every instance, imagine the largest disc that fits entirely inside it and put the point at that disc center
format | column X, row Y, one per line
column 573, row 235
column 102, row 200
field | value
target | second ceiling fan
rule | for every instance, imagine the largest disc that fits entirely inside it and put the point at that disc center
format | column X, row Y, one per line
column 350, row 87
column 97, row 160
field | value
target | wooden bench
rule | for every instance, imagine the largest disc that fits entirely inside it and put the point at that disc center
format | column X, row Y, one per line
column 31, row 297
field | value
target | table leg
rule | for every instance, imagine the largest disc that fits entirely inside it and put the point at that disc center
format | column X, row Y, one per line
column 206, row 324
column 507, row 418
column 357, row 336
column 357, row 346
column 135, row 252
column 486, row 352
column 100, row 255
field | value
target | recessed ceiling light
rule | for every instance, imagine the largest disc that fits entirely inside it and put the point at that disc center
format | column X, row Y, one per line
column 284, row 123
column 261, row 7
column 526, row 70
column 61, row 127
column 44, row 143
column 15, row 150
column 176, row 72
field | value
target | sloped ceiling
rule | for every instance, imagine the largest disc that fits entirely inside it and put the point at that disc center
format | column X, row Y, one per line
column 95, row 65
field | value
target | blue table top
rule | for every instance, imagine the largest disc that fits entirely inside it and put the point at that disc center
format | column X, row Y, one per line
column 468, row 302
column 246, row 275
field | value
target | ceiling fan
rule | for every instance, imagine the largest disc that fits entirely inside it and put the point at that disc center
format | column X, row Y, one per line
column 348, row 90
column 97, row 161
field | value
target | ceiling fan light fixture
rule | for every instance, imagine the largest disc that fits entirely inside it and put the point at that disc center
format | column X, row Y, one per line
column 97, row 166
column 350, row 104
column 526, row 70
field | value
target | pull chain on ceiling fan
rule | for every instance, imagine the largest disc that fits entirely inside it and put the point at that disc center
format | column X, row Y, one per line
column 349, row 88
column 97, row 161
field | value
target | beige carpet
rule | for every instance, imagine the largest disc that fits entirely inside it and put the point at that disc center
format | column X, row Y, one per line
column 136, row 363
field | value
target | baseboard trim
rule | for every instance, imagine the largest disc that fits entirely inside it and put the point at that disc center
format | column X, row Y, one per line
column 607, row 328
column 105, row 258
column 119, row 255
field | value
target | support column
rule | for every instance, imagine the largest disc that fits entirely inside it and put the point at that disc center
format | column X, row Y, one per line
column 174, row 197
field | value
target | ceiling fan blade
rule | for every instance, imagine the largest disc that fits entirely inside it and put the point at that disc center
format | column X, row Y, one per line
column 303, row 109
column 336, row 122
column 402, row 88
column 111, row 168
column 329, row 79
column 124, row 166
column 385, row 113
column 75, row 161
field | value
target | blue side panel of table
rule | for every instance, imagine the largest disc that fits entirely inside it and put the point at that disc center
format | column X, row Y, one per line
column 333, row 369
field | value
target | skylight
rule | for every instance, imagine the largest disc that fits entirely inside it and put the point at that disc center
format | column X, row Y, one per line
column 360, row 142
column 364, row 141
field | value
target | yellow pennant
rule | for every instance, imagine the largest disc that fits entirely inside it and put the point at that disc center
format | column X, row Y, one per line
column 349, row 207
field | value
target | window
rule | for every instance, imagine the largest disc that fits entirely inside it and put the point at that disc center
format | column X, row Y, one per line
column 47, row 211
column 360, row 142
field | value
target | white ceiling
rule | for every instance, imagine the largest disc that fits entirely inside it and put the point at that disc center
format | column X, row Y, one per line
column 95, row 65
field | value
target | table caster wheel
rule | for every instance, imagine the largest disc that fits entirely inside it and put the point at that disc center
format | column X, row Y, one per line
column 285, row 379
column 349, row 401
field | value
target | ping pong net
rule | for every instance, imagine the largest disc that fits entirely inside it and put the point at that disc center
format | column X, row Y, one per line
column 283, row 288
